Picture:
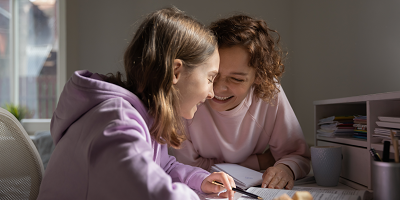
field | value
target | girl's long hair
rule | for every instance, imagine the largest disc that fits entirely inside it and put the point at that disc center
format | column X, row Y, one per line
column 165, row 35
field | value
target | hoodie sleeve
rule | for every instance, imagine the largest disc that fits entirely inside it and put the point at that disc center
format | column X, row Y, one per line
column 122, row 167
column 191, row 176
column 287, row 142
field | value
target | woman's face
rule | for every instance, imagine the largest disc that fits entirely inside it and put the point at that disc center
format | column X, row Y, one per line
column 197, row 85
column 234, row 79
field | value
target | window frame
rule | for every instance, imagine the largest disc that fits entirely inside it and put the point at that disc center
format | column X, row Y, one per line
column 34, row 125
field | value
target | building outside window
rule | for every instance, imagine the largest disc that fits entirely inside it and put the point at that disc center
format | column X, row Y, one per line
column 28, row 55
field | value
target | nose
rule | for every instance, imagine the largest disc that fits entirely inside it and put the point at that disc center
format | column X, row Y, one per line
column 210, row 93
column 220, row 84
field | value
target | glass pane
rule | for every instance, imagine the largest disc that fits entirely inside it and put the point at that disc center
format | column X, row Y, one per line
column 37, row 46
column 5, row 57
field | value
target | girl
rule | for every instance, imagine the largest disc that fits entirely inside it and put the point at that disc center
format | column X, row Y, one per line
column 249, row 111
column 112, row 136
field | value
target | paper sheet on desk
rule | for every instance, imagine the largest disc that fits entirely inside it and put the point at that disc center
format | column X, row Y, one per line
column 243, row 176
column 317, row 193
column 203, row 196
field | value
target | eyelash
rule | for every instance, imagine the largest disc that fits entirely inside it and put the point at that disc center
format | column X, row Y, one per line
column 210, row 80
column 238, row 80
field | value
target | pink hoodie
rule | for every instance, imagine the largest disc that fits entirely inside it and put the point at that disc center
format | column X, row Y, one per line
column 104, row 149
column 236, row 136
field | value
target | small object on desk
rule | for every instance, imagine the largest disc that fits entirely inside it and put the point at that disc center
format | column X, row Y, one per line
column 386, row 151
column 374, row 154
column 238, row 190
column 302, row 195
column 395, row 146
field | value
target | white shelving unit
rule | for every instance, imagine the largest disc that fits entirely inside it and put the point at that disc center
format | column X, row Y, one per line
column 356, row 163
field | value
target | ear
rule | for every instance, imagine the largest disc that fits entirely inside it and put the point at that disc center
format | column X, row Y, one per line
column 178, row 67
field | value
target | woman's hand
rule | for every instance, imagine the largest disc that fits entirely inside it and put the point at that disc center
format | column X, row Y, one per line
column 208, row 187
column 278, row 177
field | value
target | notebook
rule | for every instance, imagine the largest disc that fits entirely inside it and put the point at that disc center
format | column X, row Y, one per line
column 243, row 176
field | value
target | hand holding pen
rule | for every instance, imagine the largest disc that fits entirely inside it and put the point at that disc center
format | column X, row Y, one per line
column 207, row 186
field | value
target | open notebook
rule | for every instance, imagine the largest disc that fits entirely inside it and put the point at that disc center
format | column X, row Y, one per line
column 243, row 176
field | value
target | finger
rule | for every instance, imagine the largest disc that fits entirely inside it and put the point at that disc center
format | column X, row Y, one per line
column 281, row 184
column 225, row 180
column 290, row 185
column 214, row 188
column 274, row 182
column 233, row 184
column 267, row 179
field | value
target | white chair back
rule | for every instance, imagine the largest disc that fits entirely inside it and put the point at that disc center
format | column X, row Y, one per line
column 21, row 169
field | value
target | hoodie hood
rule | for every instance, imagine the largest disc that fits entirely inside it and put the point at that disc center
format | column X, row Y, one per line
column 83, row 91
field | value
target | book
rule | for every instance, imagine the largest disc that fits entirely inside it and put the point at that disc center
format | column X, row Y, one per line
column 244, row 177
column 317, row 193
column 388, row 124
column 389, row 119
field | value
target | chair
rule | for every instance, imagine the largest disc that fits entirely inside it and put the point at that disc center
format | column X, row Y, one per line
column 21, row 169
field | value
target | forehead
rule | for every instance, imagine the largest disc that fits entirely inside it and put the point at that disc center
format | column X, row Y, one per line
column 211, row 65
column 234, row 59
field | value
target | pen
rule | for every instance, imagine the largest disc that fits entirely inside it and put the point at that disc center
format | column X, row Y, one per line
column 238, row 190
column 395, row 146
column 374, row 154
column 386, row 151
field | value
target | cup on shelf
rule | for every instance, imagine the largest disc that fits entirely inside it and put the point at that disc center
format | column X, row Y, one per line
column 327, row 164
column 385, row 180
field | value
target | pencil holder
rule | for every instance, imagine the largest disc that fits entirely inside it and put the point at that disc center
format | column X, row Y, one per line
column 385, row 180
column 327, row 164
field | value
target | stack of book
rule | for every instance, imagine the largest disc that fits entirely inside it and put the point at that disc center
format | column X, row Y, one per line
column 360, row 127
column 336, row 126
column 386, row 124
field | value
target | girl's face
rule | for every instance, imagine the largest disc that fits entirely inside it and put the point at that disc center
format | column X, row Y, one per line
column 234, row 80
column 197, row 85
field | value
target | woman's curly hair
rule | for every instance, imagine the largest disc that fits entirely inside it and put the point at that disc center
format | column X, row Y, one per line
column 265, row 53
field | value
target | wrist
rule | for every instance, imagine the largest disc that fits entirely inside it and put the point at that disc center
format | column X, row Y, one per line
column 286, row 168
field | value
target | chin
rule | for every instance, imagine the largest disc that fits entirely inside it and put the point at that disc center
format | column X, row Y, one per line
column 190, row 114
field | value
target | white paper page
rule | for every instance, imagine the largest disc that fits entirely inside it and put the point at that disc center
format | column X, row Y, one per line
column 203, row 196
column 270, row 194
column 243, row 174
column 364, row 194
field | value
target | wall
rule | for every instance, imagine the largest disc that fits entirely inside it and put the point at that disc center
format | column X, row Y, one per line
column 98, row 31
column 340, row 49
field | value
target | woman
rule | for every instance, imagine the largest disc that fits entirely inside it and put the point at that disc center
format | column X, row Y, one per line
column 249, row 111
column 112, row 136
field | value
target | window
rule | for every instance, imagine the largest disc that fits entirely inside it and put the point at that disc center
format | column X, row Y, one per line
column 29, row 51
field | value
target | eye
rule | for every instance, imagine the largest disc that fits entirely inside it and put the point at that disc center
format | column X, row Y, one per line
column 237, row 80
column 210, row 80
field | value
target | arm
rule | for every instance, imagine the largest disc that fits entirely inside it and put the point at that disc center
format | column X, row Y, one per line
column 288, row 147
column 287, row 142
column 123, row 167
column 191, row 176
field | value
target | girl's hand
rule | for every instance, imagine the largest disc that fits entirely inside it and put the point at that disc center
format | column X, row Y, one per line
column 208, row 187
column 278, row 177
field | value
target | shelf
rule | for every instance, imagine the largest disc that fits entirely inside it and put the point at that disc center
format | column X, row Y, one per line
column 345, row 140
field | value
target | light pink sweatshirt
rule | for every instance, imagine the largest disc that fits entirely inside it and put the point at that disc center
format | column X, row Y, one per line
column 236, row 136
